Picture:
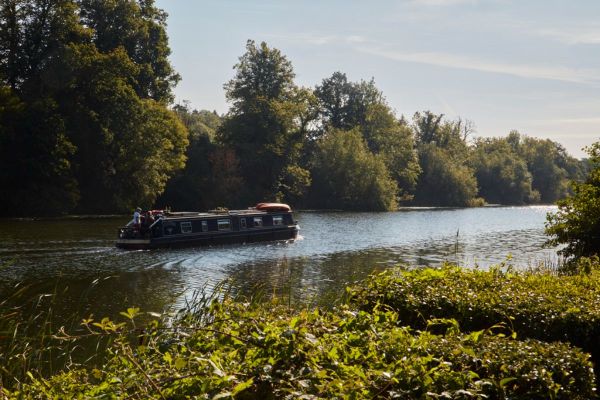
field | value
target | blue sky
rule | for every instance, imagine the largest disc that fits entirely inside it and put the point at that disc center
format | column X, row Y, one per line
column 533, row 65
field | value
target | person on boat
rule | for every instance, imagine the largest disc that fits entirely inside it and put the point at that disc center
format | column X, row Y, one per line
column 149, row 218
column 147, row 221
column 137, row 216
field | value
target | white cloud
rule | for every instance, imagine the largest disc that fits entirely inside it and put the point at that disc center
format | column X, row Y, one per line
column 573, row 36
column 319, row 39
column 557, row 73
column 443, row 2
column 589, row 120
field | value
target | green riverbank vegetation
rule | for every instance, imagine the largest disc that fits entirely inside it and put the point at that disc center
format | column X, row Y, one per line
column 576, row 224
column 88, row 125
column 412, row 334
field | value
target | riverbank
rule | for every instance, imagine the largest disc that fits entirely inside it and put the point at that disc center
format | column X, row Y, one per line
column 226, row 346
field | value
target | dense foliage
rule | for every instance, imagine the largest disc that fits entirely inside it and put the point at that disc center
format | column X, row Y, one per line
column 84, row 87
column 233, row 349
column 267, row 124
column 211, row 177
column 537, row 305
column 348, row 176
column 85, row 126
column 576, row 224
column 502, row 174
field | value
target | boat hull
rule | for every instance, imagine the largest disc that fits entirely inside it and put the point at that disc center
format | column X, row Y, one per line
column 211, row 238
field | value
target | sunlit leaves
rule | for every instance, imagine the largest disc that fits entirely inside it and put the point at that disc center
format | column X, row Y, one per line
column 537, row 305
column 576, row 224
column 243, row 351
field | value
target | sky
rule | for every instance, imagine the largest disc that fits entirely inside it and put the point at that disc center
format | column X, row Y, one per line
column 531, row 66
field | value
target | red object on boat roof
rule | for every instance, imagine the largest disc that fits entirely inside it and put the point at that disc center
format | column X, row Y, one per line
column 273, row 207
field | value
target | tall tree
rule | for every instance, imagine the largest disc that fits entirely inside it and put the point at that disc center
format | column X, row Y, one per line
column 94, row 134
column 393, row 140
column 346, row 105
column 446, row 178
column 350, row 177
column 36, row 176
column 211, row 177
column 34, row 38
column 140, row 28
column 127, row 147
column 267, row 123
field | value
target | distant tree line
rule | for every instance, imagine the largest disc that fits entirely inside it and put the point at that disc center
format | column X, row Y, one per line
column 87, row 126
column 340, row 145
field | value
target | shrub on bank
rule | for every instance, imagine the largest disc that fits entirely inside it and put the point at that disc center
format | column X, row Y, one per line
column 233, row 349
column 536, row 305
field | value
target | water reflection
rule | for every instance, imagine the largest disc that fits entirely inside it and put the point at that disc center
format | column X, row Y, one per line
column 77, row 258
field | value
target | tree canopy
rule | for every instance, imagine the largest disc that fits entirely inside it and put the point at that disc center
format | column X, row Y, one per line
column 87, row 125
column 91, row 82
column 265, row 126
column 502, row 175
column 576, row 224
column 348, row 176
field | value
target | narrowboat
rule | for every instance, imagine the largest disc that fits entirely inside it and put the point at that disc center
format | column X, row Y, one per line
column 161, row 228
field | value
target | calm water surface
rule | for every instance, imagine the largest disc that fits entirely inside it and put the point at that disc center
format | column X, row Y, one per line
column 75, row 258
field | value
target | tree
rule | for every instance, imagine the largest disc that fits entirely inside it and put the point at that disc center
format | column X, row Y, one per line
column 444, row 181
column 140, row 29
column 267, row 123
column 343, row 104
column 549, row 164
column 502, row 175
column 94, row 134
column 211, row 177
column 427, row 127
column 35, row 171
column 393, row 141
column 446, row 178
column 33, row 35
column 448, row 135
column 576, row 224
column 37, row 177
column 346, row 175
column 127, row 147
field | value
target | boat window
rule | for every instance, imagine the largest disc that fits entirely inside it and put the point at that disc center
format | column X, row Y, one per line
column 224, row 224
column 169, row 228
column 243, row 223
column 204, row 226
column 277, row 220
column 186, row 227
column 258, row 221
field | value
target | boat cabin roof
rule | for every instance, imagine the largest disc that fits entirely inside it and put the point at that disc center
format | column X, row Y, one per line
column 216, row 213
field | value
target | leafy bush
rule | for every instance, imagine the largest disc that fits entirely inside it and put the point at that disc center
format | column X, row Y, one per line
column 233, row 349
column 537, row 305
column 575, row 224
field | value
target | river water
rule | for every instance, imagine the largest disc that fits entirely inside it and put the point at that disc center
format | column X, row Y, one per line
column 75, row 259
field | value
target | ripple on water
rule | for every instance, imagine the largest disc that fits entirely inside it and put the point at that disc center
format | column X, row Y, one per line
column 333, row 250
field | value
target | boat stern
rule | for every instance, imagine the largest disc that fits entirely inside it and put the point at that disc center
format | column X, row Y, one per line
column 134, row 244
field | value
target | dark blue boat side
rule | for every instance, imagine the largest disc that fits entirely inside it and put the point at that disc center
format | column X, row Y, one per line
column 265, row 222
